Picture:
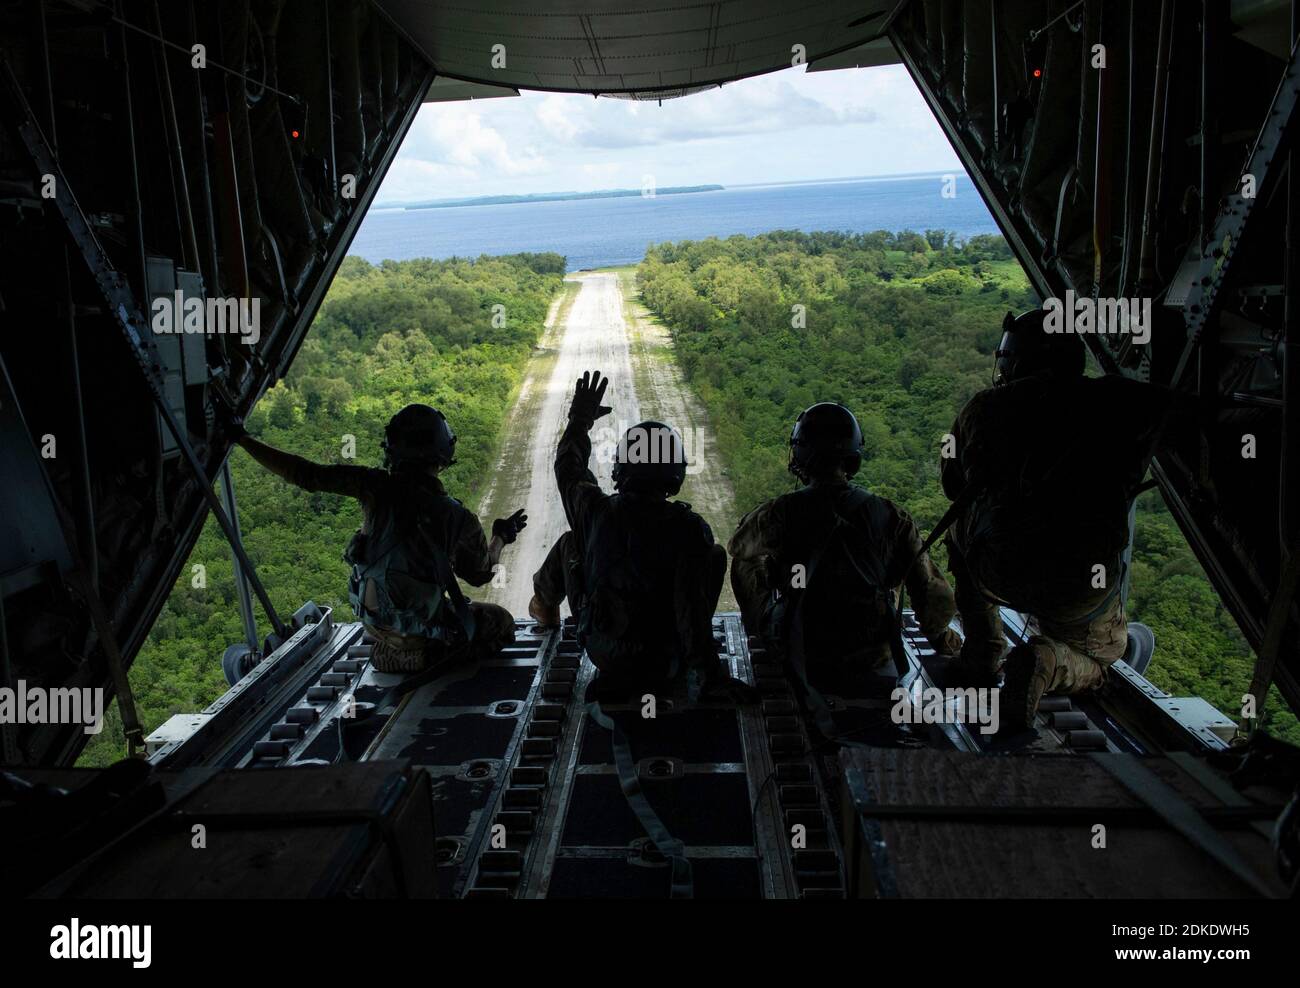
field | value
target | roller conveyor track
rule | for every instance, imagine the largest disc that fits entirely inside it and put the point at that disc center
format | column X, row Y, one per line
column 477, row 730
column 527, row 800
column 729, row 782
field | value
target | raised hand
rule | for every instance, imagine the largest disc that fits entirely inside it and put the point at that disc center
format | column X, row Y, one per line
column 508, row 529
column 587, row 397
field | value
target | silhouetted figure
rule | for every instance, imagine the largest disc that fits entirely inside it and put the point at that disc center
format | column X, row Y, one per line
column 413, row 542
column 816, row 571
column 642, row 573
column 1049, row 462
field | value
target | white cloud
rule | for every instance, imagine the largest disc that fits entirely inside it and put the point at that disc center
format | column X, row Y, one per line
column 555, row 116
column 784, row 126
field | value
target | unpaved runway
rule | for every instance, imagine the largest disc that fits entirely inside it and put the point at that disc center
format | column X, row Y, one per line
column 666, row 397
column 593, row 336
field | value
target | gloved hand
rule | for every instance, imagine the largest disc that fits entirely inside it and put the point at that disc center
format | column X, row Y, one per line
column 508, row 529
column 587, row 397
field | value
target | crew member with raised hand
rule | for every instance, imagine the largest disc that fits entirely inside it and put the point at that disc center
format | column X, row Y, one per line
column 641, row 571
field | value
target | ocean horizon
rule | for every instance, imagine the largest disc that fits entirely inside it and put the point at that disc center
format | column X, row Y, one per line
column 601, row 233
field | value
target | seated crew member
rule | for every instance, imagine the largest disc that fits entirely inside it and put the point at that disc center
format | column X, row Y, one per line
column 1049, row 462
column 818, row 569
column 642, row 573
column 413, row 542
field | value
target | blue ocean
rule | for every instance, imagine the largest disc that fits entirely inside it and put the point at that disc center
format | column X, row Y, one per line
column 597, row 233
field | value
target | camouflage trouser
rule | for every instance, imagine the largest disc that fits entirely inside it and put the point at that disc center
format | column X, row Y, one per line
column 560, row 577
column 1078, row 641
column 1079, row 649
column 494, row 628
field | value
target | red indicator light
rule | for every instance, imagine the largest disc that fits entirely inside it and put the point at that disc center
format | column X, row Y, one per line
column 1038, row 73
column 294, row 133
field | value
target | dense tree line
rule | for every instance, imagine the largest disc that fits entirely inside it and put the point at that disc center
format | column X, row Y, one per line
column 901, row 327
column 455, row 334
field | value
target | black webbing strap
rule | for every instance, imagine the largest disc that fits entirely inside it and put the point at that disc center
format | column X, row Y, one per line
column 447, row 577
column 1171, row 807
column 673, row 850
column 458, row 602
column 963, row 501
column 443, row 569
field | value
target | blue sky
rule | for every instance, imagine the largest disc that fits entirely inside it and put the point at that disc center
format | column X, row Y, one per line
column 785, row 126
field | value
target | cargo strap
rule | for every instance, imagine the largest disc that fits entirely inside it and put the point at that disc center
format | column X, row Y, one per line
column 460, row 604
column 963, row 501
column 673, row 850
column 1171, row 807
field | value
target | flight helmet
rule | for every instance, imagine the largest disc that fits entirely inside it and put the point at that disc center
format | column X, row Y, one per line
column 825, row 436
column 651, row 457
column 1027, row 349
column 419, row 435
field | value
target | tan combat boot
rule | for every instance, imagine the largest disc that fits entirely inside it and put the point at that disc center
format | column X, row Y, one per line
column 1039, row 667
column 1028, row 672
column 546, row 615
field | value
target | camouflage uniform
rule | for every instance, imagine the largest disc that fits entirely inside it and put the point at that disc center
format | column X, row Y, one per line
column 698, row 572
column 764, row 544
column 1037, row 550
column 459, row 533
column 494, row 628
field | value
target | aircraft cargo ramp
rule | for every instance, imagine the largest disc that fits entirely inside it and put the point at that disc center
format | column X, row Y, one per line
column 528, row 800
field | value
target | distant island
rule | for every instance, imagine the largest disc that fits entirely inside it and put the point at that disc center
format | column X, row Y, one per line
column 676, row 190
